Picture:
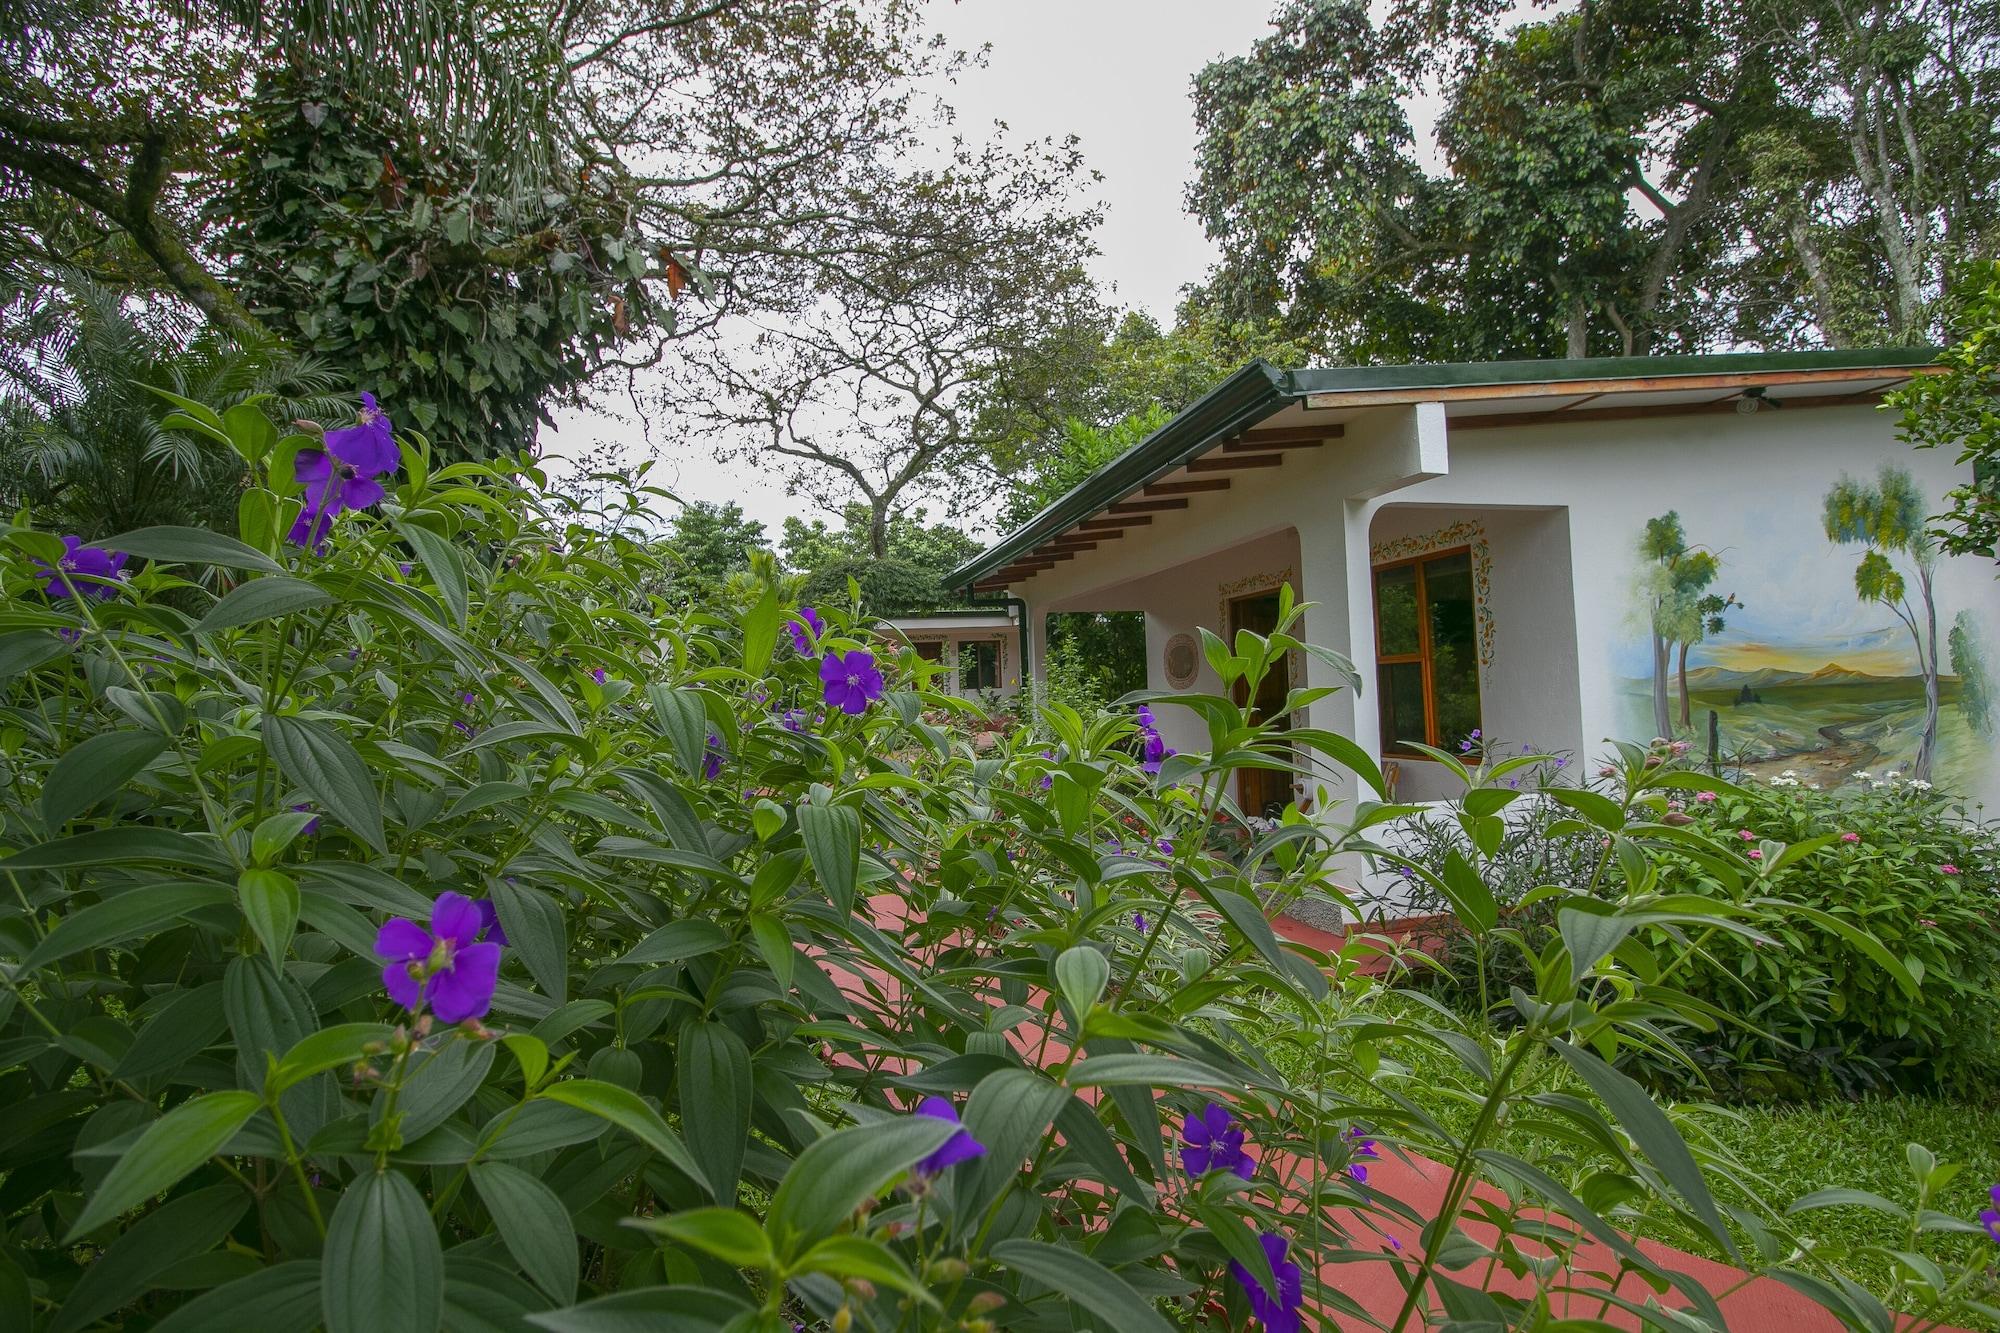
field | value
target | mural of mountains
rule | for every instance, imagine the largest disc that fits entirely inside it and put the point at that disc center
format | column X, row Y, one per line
column 1771, row 678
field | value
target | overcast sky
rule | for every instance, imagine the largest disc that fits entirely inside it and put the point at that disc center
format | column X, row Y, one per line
column 1116, row 74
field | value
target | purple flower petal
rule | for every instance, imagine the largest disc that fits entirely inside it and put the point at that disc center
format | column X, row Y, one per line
column 960, row 1147
column 489, row 921
column 465, row 989
column 360, row 493
column 403, row 988
column 456, row 918
column 402, row 940
column 368, row 446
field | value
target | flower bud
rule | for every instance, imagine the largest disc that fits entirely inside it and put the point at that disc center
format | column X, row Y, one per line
column 947, row 1269
column 861, row 1288
column 843, row 1319
column 984, row 1301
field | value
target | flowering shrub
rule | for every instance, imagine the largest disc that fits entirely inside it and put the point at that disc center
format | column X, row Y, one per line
column 419, row 926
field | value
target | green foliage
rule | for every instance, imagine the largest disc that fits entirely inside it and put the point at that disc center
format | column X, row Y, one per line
column 1094, row 657
column 386, row 251
column 934, row 548
column 1811, row 1011
column 708, row 543
column 744, row 935
column 1631, row 177
column 888, row 587
column 1959, row 409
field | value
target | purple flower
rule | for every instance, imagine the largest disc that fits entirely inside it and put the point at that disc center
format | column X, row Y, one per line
column 342, row 475
column 1364, row 1150
column 465, row 729
column 445, row 967
column 1214, row 1143
column 91, row 570
column 712, row 757
column 960, row 1147
column 70, row 635
column 1280, row 1315
column 598, row 674
column 1166, row 847
column 489, row 919
column 793, row 720
column 311, row 825
column 1139, row 922
column 469, row 699
column 404, row 567
column 1155, row 753
column 1990, row 1217
column 1475, row 733
column 353, row 653
column 1464, row 746
column 852, row 681
column 805, row 627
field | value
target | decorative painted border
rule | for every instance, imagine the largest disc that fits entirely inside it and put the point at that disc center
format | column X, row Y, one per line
column 1469, row 534
column 1187, row 641
column 1269, row 581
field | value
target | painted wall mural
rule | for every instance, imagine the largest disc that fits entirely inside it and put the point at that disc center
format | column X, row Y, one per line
column 1821, row 649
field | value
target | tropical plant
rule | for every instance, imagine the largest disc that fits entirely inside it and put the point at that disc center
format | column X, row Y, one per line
column 436, row 929
column 1959, row 409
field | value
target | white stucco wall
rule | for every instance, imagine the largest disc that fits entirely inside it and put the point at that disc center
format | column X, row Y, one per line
column 1563, row 506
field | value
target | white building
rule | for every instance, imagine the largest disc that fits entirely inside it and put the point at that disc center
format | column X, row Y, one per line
column 980, row 651
column 1471, row 537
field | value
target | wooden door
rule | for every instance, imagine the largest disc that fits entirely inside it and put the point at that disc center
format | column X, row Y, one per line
column 1262, row 791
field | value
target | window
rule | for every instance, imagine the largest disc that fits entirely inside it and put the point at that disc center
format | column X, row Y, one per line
column 931, row 650
column 1427, row 648
column 979, row 664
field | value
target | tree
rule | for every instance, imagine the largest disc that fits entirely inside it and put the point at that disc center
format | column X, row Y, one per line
column 812, row 545
column 1887, row 520
column 85, row 442
column 1959, row 408
column 874, row 395
column 1632, row 176
column 562, row 191
column 1977, row 697
column 708, row 543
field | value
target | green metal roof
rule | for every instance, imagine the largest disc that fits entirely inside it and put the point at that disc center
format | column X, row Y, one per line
column 1260, row 389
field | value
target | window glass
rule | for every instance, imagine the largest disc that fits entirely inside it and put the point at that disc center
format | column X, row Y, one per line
column 1454, row 633
column 979, row 664
column 931, row 651
column 1402, row 702
column 1396, row 611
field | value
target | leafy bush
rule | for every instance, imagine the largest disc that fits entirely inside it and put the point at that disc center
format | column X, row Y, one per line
column 1811, row 1007
column 435, row 930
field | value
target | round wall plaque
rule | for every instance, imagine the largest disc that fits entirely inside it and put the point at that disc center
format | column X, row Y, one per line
column 1183, row 660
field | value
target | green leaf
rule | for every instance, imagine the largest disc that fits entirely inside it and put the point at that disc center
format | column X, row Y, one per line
column 1847, row 1198
column 1080, row 1278
column 95, row 770
column 859, row 1257
column 192, row 546
column 176, row 1231
column 321, row 760
column 382, row 1270
column 274, row 833
column 1590, row 930
column 833, row 843
column 834, row 1175
column 132, row 913
column 106, row 846
column 678, row 941
column 713, row 1072
column 1009, row 1112
column 329, row 1048
column 672, row 1309
column 731, row 1236
column 683, row 720
column 442, row 559
column 263, row 599
column 1153, row 1071
column 1082, row 973
column 441, row 1084
column 185, row 1026
column 172, row 1146
column 1653, row 1132
column 281, row 1299
column 270, row 902
column 28, row 649
column 536, row 929
column 533, row 1225
column 629, row 1112
column 1860, row 939
column 1467, row 893
column 760, row 632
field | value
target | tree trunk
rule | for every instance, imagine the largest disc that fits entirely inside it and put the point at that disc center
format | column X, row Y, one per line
column 1579, row 331
column 878, row 528
column 1663, row 724
column 1687, row 718
column 1826, row 310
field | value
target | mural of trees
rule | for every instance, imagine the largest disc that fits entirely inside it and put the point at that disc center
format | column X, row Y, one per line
column 1683, row 612
column 1975, row 675
column 1887, row 519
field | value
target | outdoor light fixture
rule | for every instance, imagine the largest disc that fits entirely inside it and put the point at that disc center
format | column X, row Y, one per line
column 1753, row 398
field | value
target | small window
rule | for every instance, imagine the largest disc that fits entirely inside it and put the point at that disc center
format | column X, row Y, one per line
column 931, row 650
column 979, row 664
column 1427, row 651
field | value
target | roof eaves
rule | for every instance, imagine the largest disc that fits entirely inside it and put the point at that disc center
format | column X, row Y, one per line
column 1246, row 397
column 1377, row 379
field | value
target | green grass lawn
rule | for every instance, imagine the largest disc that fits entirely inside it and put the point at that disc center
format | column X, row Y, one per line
column 1784, row 1152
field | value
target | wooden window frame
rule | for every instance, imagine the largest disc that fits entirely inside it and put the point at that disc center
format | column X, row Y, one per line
column 1422, row 657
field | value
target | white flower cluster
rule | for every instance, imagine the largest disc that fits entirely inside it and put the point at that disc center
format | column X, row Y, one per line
column 1892, row 778
column 1790, row 778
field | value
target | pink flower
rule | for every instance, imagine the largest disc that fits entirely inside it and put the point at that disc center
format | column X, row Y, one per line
column 1705, row 797
column 1756, row 855
column 1926, row 923
column 1947, row 869
column 1679, row 747
column 1746, row 835
column 1607, row 772
column 1850, row 837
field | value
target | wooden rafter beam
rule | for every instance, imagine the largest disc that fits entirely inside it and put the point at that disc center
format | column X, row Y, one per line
column 1233, row 462
column 1290, row 437
column 1143, row 506
column 1129, row 521
column 1190, row 487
